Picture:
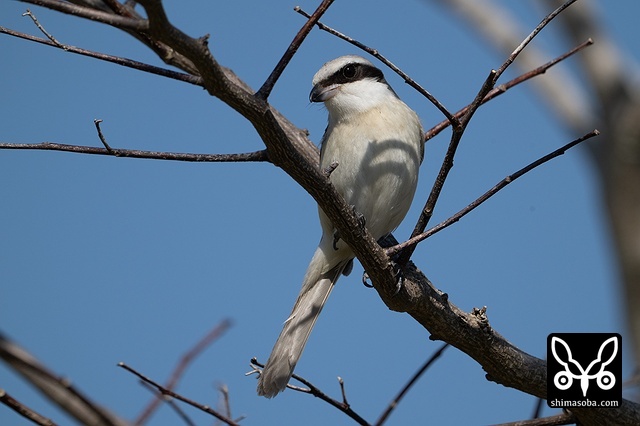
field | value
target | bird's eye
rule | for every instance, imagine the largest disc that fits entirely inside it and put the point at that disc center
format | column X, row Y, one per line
column 349, row 71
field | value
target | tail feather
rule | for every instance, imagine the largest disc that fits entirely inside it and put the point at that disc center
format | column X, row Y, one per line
column 286, row 352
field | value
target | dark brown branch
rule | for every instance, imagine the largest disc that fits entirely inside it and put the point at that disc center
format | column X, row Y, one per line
column 557, row 420
column 410, row 383
column 315, row 391
column 57, row 389
column 167, row 392
column 343, row 392
column 503, row 362
column 344, row 405
column 391, row 251
column 23, row 410
column 92, row 14
column 101, row 136
column 170, row 402
column 374, row 52
column 447, row 165
column 134, row 153
column 129, row 63
column 184, row 362
column 267, row 87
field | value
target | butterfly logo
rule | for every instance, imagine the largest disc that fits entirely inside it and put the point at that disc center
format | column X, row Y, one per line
column 573, row 370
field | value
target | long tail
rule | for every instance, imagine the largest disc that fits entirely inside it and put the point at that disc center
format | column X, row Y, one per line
column 316, row 287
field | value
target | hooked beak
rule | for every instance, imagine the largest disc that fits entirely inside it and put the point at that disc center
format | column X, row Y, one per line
column 322, row 94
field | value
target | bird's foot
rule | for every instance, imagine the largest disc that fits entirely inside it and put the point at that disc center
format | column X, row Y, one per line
column 399, row 274
column 362, row 221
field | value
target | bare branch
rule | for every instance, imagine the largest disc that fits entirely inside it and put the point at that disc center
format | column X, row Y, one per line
column 167, row 392
column 125, row 62
column 134, row 153
column 266, row 88
column 393, row 404
column 23, row 410
column 41, row 28
column 531, row 36
column 184, row 362
column 101, row 136
column 93, row 14
column 497, row 91
column 226, row 404
column 315, row 391
column 391, row 251
column 557, row 420
column 344, row 406
column 57, row 389
column 170, row 402
column 447, row 164
column 567, row 99
column 374, row 52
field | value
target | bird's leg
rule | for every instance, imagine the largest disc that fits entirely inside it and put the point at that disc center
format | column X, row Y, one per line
column 330, row 168
column 365, row 280
column 362, row 221
column 397, row 273
column 399, row 276
column 397, row 268
column 336, row 238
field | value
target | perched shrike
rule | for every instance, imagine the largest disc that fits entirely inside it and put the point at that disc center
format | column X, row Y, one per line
column 376, row 140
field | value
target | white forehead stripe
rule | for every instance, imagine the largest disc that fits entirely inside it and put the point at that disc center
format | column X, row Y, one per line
column 335, row 65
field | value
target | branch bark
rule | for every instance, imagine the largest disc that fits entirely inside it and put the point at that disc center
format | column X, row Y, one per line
column 57, row 389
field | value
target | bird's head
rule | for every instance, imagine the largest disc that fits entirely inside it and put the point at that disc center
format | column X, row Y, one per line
column 350, row 84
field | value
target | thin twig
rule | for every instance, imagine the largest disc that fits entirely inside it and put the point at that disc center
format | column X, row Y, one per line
column 531, row 36
column 499, row 90
column 169, row 401
column 445, row 168
column 165, row 391
column 391, row 251
column 101, row 136
column 266, row 88
column 258, row 156
column 374, row 52
column 557, row 420
column 41, row 28
column 315, row 391
column 447, row 163
column 23, row 410
column 182, row 365
column 125, row 62
column 343, row 391
column 537, row 409
column 394, row 403
column 93, row 14
column 226, row 404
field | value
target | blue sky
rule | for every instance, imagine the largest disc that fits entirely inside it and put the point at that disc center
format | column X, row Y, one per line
column 105, row 260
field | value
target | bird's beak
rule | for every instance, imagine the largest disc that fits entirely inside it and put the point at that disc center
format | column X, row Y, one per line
column 322, row 94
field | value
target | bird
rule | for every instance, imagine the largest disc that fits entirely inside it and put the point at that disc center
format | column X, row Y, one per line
column 373, row 147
